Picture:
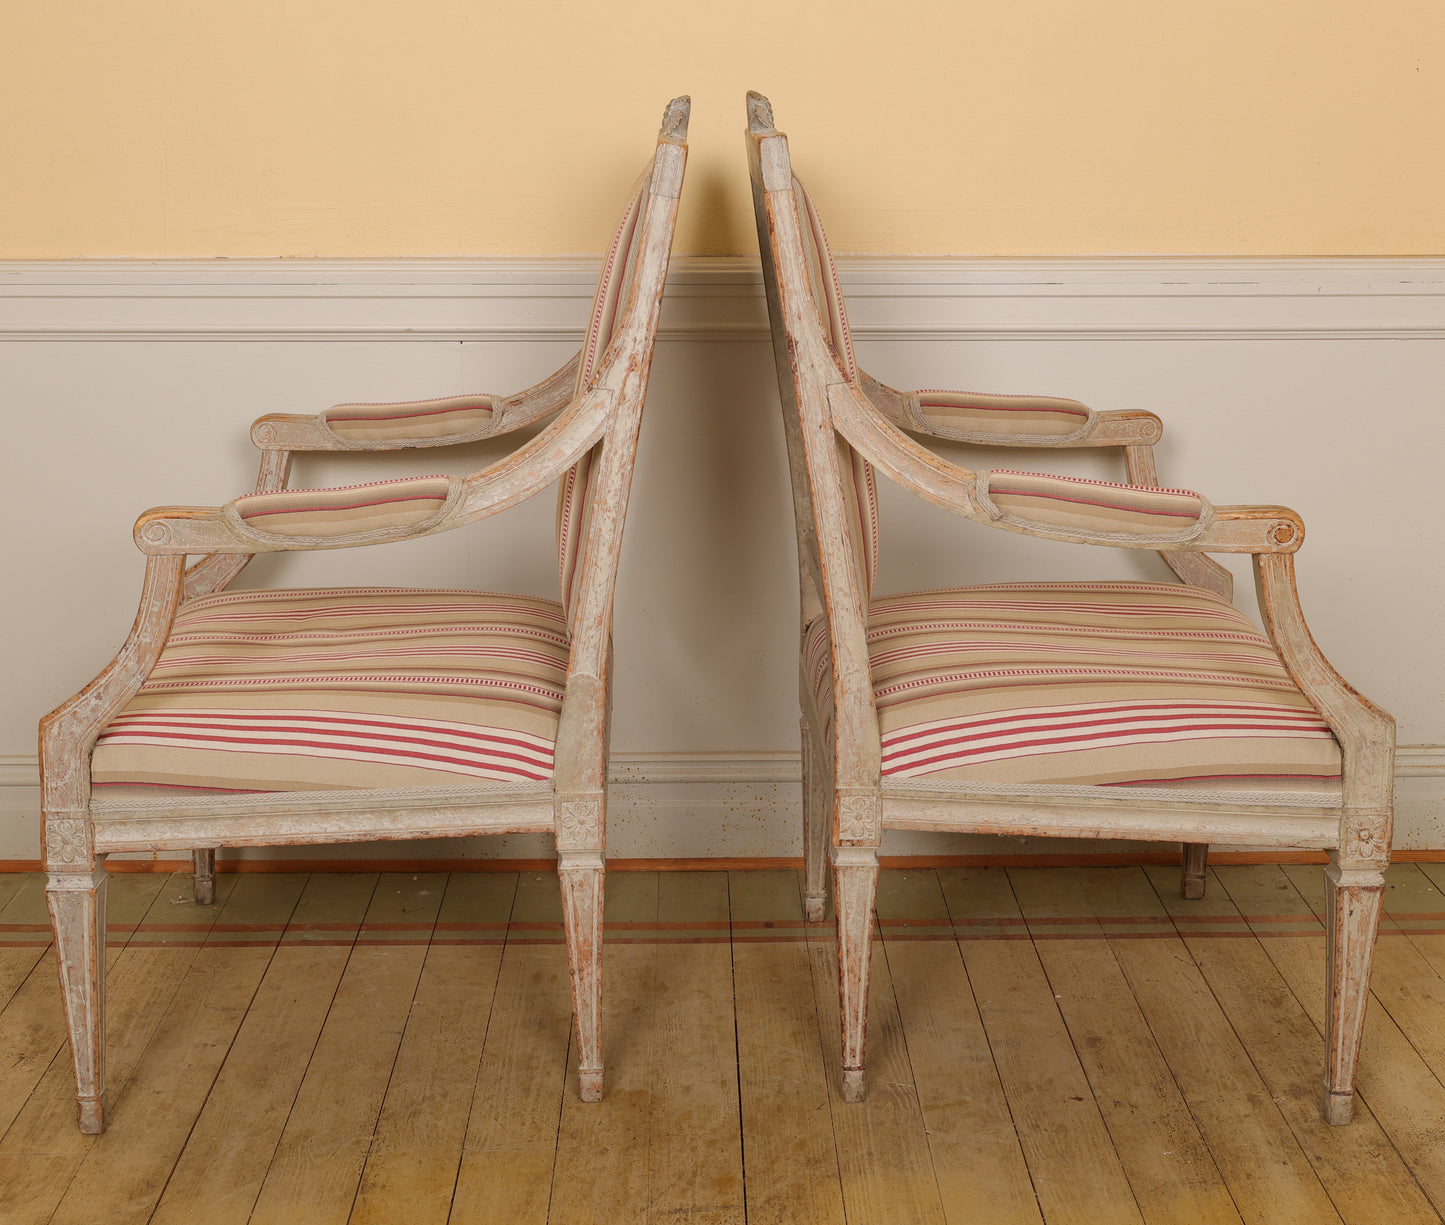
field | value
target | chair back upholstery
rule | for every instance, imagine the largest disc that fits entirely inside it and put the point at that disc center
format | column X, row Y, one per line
column 624, row 307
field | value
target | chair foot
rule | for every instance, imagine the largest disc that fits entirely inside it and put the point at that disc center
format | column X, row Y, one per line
column 203, row 869
column 91, row 1112
column 1338, row 1108
column 853, row 1084
column 1194, row 860
column 589, row 1084
column 815, row 909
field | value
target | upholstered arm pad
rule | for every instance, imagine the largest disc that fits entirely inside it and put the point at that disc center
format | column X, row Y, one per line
column 1095, row 510
column 1011, row 420
column 442, row 422
column 288, row 519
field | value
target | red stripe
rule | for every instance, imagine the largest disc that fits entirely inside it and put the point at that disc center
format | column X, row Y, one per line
column 1057, row 497
column 296, row 510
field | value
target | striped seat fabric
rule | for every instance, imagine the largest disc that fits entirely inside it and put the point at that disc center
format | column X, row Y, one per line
column 980, row 416
column 313, row 690
column 345, row 510
column 1110, row 684
column 1098, row 509
column 423, row 423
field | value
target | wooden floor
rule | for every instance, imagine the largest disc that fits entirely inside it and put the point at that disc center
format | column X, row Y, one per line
column 1046, row 1044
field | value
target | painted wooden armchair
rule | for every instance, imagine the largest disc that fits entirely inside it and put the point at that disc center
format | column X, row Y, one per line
column 1100, row 710
column 266, row 718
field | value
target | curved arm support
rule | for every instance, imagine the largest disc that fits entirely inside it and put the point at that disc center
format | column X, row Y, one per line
column 169, row 530
column 1229, row 529
column 1365, row 732
column 290, row 432
column 217, row 571
column 1197, row 569
column 1123, row 428
column 68, row 733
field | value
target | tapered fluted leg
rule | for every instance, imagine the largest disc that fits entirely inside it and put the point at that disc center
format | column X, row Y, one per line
column 1353, row 898
column 582, row 875
column 815, row 831
column 77, row 914
column 203, row 869
column 1191, row 877
column 855, row 889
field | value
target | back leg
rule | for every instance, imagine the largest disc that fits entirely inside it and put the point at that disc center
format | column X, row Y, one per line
column 815, row 831
column 203, row 869
column 1195, row 860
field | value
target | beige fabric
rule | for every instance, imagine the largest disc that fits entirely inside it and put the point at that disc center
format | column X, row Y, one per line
column 343, row 688
column 345, row 510
column 1109, row 684
column 422, row 422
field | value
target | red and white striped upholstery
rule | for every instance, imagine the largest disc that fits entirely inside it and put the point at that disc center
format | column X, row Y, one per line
column 311, row 690
column 574, row 496
column 1111, row 684
column 344, row 510
column 1101, row 510
column 985, row 417
column 425, row 423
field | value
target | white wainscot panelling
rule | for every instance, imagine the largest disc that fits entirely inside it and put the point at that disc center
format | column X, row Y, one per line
column 1314, row 383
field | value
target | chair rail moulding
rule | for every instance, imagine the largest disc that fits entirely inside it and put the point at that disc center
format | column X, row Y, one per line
column 720, row 298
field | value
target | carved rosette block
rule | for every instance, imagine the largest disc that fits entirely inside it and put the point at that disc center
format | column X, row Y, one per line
column 579, row 823
column 859, row 819
column 68, row 844
column 1366, row 841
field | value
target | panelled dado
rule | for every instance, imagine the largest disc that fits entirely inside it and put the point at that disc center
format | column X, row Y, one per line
column 1294, row 352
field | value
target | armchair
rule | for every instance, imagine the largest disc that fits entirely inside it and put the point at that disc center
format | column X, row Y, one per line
column 1101, row 710
column 262, row 718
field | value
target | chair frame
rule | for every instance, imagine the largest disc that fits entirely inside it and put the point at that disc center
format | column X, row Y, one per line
column 847, row 804
column 79, row 831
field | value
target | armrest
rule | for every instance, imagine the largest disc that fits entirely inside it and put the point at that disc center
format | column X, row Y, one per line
column 443, row 422
column 303, row 519
column 1010, row 420
column 1063, row 508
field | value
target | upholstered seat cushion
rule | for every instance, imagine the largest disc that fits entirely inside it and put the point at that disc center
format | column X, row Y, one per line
column 1114, row 684
column 310, row 690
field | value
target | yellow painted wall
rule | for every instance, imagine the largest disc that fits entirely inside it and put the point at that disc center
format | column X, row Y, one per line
column 359, row 128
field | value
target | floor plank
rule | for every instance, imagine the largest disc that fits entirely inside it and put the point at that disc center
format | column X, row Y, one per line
column 510, row 1149
column 411, row 1170
column 1046, row 1045
column 1072, row 1161
column 1358, row 1166
column 316, row 1168
column 974, row 1148
column 1269, row 1177
column 1165, row 1159
column 789, row 1153
column 1394, row 1081
column 221, row 1169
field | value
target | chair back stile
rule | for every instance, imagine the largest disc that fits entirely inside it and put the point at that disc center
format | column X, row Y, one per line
column 833, row 486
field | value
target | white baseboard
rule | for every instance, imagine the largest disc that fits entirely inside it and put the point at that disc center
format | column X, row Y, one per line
column 713, row 806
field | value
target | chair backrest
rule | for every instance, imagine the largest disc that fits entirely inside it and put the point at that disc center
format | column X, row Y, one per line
column 624, row 308
column 806, row 243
